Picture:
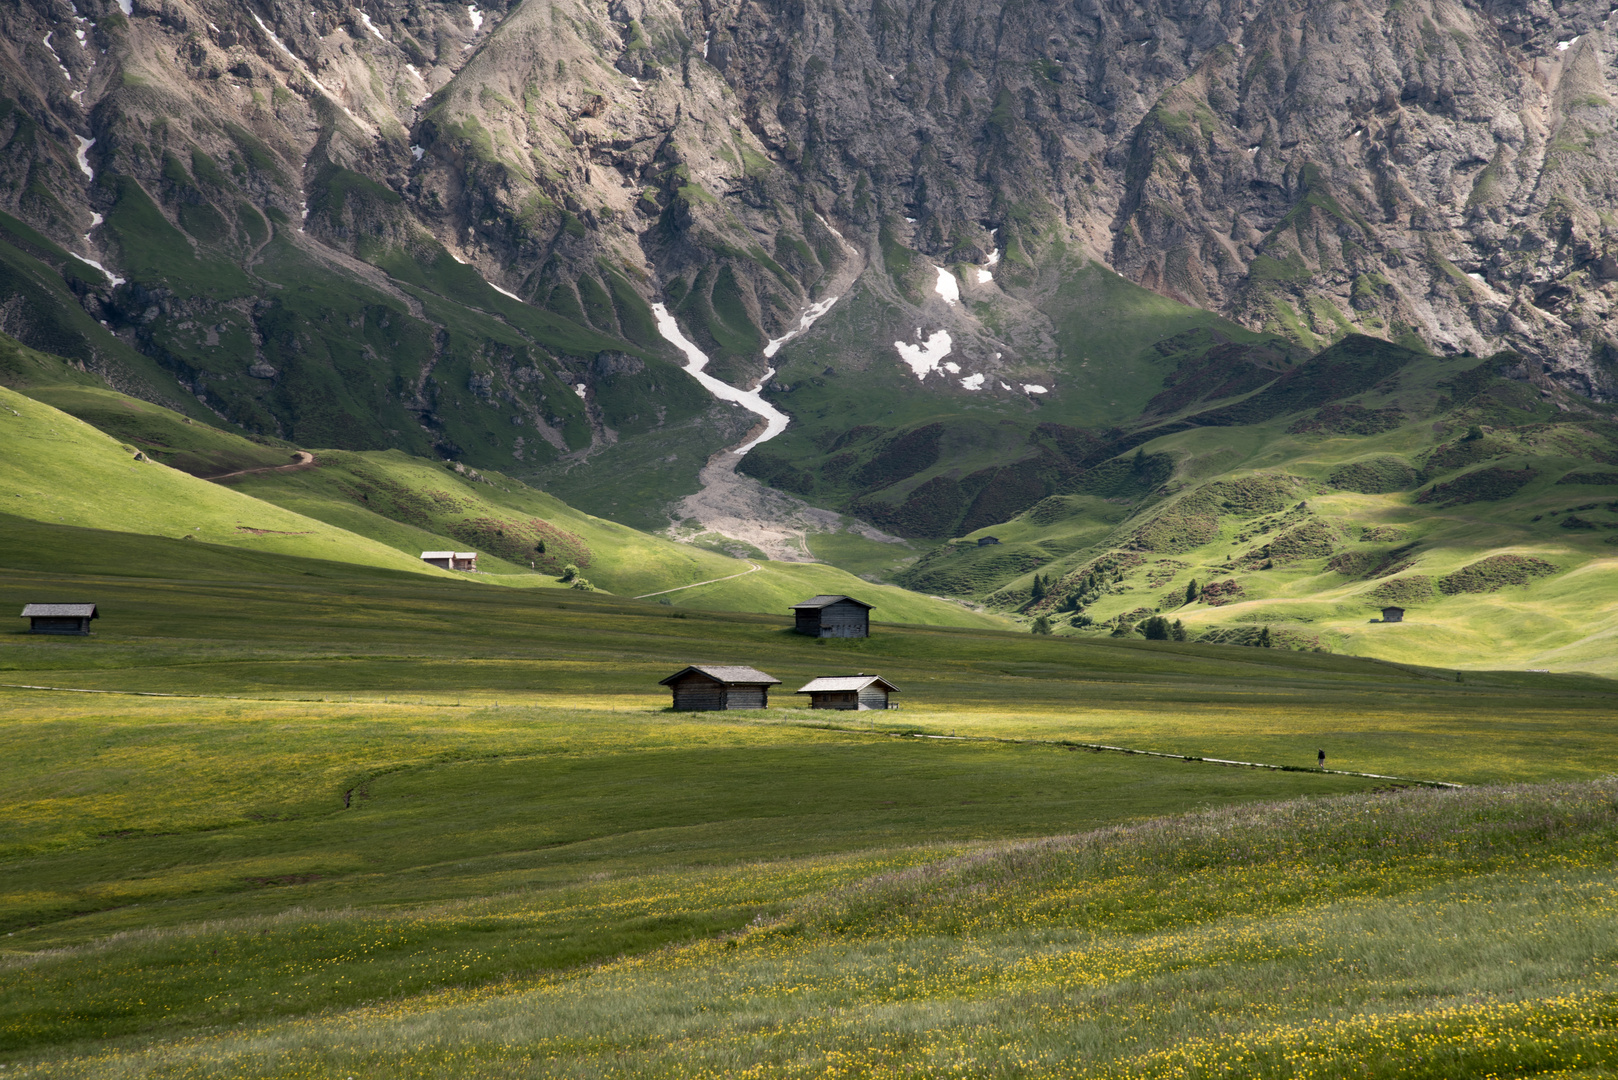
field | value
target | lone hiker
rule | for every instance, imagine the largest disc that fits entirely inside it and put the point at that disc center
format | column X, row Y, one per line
column 1320, row 758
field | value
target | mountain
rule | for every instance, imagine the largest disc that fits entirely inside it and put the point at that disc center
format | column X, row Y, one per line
column 959, row 260
column 1290, row 515
column 320, row 219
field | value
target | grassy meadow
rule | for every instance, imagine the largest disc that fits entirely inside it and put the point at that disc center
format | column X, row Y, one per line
column 88, row 457
column 1309, row 529
column 338, row 821
column 303, row 807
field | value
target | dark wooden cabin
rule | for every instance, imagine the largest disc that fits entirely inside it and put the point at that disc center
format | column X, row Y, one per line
column 833, row 616
column 1393, row 614
column 985, row 541
column 59, row 618
column 850, row 692
column 714, row 687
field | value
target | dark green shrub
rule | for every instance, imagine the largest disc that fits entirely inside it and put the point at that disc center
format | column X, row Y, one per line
column 1376, row 476
column 1493, row 574
column 1414, row 589
column 1484, row 485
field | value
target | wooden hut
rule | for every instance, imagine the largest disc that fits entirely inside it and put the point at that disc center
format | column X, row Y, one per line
column 59, row 618
column 1393, row 614
column 452, row 560
column 986, row 541
column 850, row 692
column 714, row 687
column 833, row 616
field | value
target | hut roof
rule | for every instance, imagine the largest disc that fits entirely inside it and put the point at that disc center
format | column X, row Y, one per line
column 835, row 683
column 827, row 600
column 59, row 611
column 449, row 555
column 1392, row 607
column 726, row 673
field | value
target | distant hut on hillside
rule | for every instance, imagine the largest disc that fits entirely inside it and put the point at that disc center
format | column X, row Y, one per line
column 59, row 618
column 452, row 560
column 715, row 687
column 1393, row 614
column 850, row 692
column 985, row 541
column 833, row 616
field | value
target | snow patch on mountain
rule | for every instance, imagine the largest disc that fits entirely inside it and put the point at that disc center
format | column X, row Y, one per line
column 805, row 321
column 928, row 355
column 775, row 421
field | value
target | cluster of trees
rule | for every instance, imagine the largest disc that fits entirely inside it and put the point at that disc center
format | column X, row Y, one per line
column 1078, row 596
column 1154, row 628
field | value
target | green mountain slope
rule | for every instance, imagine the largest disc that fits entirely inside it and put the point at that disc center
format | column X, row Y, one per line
column 58, row 469
column 935, row 457
column 378, row 509
column 1369, row 476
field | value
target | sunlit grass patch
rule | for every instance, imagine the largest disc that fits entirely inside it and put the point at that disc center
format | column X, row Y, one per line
column 1484, row 952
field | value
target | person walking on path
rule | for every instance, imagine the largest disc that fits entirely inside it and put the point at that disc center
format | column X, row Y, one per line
column 1320, row 758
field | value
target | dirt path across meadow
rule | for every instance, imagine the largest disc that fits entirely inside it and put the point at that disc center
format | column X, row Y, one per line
column 303, row 459
column 694, row 584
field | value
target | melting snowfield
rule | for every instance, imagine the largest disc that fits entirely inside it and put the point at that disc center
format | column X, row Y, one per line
column 927, row 356
column 775, row 421
column 112, row 277
column 810, row 314
column 738, row 506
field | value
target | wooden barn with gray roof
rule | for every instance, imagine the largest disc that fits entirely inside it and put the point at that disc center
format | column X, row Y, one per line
column 850, row 692
column 59, row 618
column 715, row 687
column 833, row 616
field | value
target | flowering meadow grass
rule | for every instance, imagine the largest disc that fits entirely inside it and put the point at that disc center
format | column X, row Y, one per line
column 1447, row 934
column 395, row 830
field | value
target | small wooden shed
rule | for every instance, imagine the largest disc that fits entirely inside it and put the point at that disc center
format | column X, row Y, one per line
column 986, row 541
column 714, row 687
column 833, row 616
column 1393, row 614
column 452, row 560
column 850, row 692
column 59, row 618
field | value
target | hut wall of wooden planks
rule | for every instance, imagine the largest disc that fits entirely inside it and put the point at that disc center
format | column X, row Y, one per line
column 833, row 616
column 717, row 687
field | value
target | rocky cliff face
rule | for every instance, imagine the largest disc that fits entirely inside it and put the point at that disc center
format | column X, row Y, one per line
column 1413, row 169
column 1437, row 168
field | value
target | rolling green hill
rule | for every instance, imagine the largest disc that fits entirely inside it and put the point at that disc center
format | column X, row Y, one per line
column 1368, row 476
column 378, row 509
column 58, row 469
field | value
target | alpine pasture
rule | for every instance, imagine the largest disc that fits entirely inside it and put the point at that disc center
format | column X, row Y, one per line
column 322, row 819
